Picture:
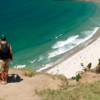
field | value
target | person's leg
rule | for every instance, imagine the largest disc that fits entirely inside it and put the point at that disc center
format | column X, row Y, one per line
column 6, row 77
column 0, row 77
column 6, row 69
column 3, row 79
column 2, row 65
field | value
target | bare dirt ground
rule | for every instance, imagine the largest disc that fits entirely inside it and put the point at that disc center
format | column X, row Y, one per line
column 21, row 87
column 89, row 77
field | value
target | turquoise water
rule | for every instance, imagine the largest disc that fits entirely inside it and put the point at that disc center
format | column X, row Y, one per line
column 42, row 31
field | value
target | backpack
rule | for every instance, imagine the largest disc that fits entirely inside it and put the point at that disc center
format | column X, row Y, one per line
column 5, row 51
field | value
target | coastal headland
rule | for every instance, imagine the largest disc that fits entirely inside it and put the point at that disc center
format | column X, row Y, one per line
column 26, row 84
column 23, row 84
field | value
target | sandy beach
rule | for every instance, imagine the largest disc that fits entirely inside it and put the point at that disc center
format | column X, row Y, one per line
column 72, row 65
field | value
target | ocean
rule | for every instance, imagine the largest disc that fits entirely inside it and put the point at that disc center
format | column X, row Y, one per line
column 43, row 32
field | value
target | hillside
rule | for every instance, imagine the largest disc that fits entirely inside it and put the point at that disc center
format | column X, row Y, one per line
column 22, row 86
column 26, row 84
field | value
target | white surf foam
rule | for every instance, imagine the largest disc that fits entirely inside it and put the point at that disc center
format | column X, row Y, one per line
column 19, row 66
column 72, row 40
column 45, row 67
column 58, row 36
column 32, row 61
column 60, row 51
column 62, row 43
column 41, row 58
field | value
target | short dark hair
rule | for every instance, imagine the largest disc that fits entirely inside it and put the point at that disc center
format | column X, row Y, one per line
column 3, row 37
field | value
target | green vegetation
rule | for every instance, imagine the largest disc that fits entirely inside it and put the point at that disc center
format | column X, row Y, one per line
column 99, row 70
column 77, row 77
column 29, row 72
column 87, row 91
column 89, row 66
column 98, row 67
column 99, row 62
column 80, row 91
column 74, row 78
column 62, row 78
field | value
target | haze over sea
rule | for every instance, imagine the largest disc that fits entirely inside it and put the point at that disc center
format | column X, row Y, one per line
column 43, row 31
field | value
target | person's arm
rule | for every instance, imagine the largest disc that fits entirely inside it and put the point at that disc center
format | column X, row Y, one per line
column 11, row 52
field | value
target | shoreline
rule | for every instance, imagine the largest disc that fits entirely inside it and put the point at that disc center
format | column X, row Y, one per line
column 65, row 64
column 72, row 52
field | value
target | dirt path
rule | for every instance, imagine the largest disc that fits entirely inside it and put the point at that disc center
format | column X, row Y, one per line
column 21, row 87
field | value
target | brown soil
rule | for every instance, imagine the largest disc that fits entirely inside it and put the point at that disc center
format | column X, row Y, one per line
column 89, row 77
column 72, row 82
column 21, row 87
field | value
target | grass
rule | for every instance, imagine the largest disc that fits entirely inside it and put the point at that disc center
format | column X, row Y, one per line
column 77, row 77
column 62, row 78
column 29, row 72
column 86, row 91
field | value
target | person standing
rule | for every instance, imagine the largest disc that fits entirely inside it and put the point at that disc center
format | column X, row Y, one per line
column 6, row 54
column 1, row 65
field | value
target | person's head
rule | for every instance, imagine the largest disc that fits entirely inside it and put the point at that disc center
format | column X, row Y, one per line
column 3, row 37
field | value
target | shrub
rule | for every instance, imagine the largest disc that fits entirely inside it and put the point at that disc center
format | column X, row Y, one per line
column 78, row 77
column 73, row 78
column 89, row 65
column 99, row 62
column 98, row 67
column 98, row 70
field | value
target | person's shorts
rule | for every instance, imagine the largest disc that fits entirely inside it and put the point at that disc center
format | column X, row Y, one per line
column 4, row 65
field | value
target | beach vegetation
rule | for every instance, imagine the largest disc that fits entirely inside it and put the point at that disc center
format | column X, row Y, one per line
column 62, row 78
column 84, row 91
column 77, row 77
column 29, row 72
column 98, row 67
column 74, row 78
column 99, row 70
column 99, row 62
column 89, row 65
